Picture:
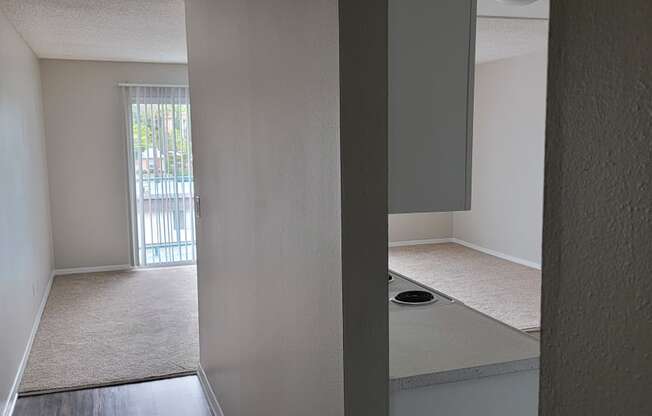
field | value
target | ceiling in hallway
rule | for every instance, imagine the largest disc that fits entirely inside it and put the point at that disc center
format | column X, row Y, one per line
column 105, row 30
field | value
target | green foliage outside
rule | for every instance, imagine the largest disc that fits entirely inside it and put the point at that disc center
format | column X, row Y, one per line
column 160, row 132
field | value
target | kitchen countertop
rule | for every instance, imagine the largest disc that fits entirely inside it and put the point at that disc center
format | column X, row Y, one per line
column 470, row 276
column 448, row 341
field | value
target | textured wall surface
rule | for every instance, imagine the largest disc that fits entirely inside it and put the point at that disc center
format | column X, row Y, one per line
column 87, row 167
column 597, row 258
column 25, row 238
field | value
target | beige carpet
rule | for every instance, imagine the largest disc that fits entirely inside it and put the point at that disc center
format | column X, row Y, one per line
column 501, row 289
column 109, row 328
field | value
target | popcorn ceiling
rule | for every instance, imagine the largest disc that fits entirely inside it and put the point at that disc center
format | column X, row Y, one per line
column 498, row 38
column 110, row 30
column 154, row 30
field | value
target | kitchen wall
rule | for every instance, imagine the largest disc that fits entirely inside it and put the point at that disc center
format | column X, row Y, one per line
column 508, row 153
column 597, row 241
column 420, row 226
column 84, row 122
column 25, row 239
column 289, row 132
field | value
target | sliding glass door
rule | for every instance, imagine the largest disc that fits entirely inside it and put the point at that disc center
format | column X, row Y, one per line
column 161, row 190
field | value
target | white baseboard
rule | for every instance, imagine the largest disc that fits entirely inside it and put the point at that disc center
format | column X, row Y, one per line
column 419, row 242
column 498, row 254
column 78, row 270
column 209, row 393
column 13, row 395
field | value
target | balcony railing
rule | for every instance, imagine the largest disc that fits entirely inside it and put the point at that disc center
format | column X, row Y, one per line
column 158, row 187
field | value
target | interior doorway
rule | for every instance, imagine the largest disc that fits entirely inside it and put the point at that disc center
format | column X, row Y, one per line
column 161, row 189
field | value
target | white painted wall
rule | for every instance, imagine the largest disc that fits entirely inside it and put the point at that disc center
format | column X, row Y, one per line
column 420, row 226
column 282, row 279
column 25, row 238
column 264, row 88
column 508, row 154
column 84, row 122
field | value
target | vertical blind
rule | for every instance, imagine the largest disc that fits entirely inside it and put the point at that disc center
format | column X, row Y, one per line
column 161, row 189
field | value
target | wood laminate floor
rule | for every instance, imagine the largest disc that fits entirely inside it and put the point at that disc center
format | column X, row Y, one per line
column 169, row 397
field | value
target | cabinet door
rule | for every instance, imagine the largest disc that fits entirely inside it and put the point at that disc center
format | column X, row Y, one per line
column 431, row 64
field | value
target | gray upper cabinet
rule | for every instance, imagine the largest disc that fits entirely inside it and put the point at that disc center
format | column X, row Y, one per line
column 431, row 65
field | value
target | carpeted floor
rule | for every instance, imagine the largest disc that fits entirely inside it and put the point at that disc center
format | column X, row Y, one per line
column 113, row 327
column 501, row 289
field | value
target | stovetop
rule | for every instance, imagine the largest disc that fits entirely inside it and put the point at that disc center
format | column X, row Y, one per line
column 400, row 284
column 447, row 341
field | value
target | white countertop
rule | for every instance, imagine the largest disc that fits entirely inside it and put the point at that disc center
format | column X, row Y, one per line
column 448, row 341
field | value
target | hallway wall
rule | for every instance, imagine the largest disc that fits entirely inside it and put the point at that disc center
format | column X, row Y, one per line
column 290, row 144
column 597, row 240
column 25, row 238
column 84, row 124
